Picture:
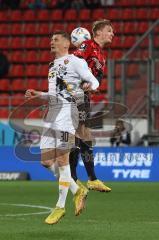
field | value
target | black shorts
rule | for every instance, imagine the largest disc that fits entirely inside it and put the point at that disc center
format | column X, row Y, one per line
column 84, row 110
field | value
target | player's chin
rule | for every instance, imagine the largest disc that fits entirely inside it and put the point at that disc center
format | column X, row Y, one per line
column 52, row 50
column 110, row 41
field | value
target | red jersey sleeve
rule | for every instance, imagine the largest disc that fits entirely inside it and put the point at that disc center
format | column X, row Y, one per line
column 91, row 52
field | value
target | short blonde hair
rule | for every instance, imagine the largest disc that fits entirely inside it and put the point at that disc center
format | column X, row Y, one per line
column 99, row 25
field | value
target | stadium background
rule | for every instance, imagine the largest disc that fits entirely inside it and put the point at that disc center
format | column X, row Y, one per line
column 131, row 79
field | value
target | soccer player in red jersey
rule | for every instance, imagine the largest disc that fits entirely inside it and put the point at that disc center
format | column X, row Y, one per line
column 91, row 51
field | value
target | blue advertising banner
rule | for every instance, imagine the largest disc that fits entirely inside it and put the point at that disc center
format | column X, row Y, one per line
column 111, row 164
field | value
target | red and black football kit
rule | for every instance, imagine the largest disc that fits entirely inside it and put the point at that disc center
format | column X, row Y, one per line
column 92, row 53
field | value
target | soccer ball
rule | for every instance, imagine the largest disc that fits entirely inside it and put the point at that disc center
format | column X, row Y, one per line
column 79, row 35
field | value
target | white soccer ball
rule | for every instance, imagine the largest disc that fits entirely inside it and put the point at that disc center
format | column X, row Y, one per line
column 79, row 35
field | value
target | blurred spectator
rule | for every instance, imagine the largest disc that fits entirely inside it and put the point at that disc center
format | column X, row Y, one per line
column 77, row 4
column 105, row 3
column 37, row 4
column 121, row 134
column 13, row 4
column 4, row 65
column 92, row 4
column 63, row 4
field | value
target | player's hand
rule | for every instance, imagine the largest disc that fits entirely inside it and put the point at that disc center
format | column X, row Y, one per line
column 86, row 87
column 30, row 93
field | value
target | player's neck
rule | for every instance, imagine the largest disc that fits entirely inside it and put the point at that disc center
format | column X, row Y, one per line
column 61, row 54
column 100, row 43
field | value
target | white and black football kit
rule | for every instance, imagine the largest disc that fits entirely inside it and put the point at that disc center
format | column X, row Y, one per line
column 65, row 77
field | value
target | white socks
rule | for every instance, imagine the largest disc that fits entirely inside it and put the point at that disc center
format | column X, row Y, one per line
column 64, row 184
column 55, row 170
column 73, row 186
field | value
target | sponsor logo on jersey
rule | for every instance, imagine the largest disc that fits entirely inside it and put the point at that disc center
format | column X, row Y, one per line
column 83, row 47
column 66, row 61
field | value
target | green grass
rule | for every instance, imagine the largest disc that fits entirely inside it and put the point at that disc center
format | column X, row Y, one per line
column 129, row 212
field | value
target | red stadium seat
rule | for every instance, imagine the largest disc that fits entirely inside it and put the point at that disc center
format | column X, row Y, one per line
column 153, row 2
column 154, row 14
column 31, row 57
column 16, row 29
column 118, row 85
column 85, row 15
column 117, row 42
column 44, row 56
column 44, row 85
column 29, row 29
column 86, row 25
column 19, row 85
column 17, row 57
column 29, row 16
column 4, row 84
column 113, row 14
column 141, row 3
column 117, row 70
column 98, row 14
column 144, row 54
column 17, row 71
column 4, row 30
column 142, row 14
column 43, row 15
column 116, row 54
column 30, row 42
column 33, row 84
column 145, row 43
column 18, row 99
column 70, row 15
column 156, row 41
column 44, row 43
column 125, row 3
column 129, row 27
column 15, row 16
column 128, row 14
column 142, row 27
column 44, row 70
column 16, row 43
column 3, row 16
column 43, row 29
column 4, row 113
column 129, row 41
column 56, row 27
column 4, row 43
column 70, row 27
column 4, row 99
column 32, row 71
column 118, row 27
column 132, row 69
column 56, row 15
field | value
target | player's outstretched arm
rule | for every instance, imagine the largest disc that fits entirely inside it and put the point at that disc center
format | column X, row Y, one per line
column 30, row 93
column 82, row 69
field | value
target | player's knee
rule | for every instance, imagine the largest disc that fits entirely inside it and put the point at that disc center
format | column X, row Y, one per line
column 46, row 163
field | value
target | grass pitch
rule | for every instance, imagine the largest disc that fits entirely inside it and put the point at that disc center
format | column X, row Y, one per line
column 129, row 212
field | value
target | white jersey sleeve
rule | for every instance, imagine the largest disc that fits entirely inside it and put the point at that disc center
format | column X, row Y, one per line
column 81, row 67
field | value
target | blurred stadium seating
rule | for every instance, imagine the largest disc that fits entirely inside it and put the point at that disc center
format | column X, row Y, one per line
column 24, row 37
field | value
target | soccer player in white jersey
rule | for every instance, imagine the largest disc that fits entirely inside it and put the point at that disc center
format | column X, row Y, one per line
column 65, row 76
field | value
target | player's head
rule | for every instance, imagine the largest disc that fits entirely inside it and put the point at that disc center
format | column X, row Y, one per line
column 103, row 31
column 60, row 42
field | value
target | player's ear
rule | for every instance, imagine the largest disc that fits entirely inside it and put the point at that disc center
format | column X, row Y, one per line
column 98, row 32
